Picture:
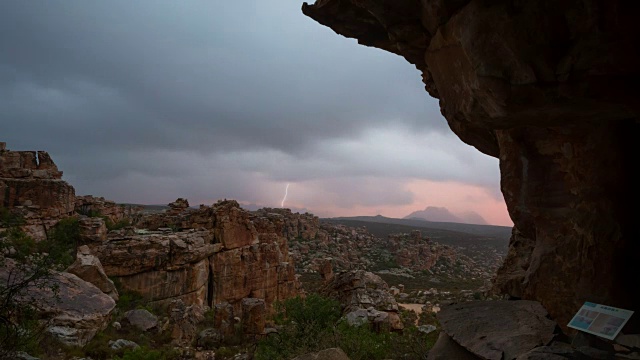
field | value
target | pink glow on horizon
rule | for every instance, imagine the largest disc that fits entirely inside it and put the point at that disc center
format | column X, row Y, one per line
column 456, row 197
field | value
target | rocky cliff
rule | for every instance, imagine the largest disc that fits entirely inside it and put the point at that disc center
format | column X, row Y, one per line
column 549, row 88
column 32, row 186
column 205, row 256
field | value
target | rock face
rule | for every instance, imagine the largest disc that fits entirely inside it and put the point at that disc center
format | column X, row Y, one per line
column 497, row 330
column 549, row 88
column 91, row 205
column 31, row 185
column 364, row 297
column 219, row 254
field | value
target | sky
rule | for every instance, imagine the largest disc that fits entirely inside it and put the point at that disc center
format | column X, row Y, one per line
column 150, row 100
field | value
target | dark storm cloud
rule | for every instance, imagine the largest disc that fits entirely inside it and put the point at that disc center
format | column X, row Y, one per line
column 147, row 100
column 196, row 75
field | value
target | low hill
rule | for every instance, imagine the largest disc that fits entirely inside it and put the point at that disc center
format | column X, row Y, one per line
column 498, row 232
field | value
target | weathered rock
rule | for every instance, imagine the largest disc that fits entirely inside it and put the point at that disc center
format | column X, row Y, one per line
column 223, row 319
column 218, row 256
column 88, row 268
column 183, row 321
column 142, row 319
column 497, row 329
column 326, row 270
column 328, row 354
column 31, row 185
column 447, row 349
column 358, row 290
column 555, row 351
column 629, row 340
column 92, row 206
column 253, row 316
column 122, row 344
column 210, row 338
column 426, row 329
column 92, row 229
column 550, row 89
column 77, row 312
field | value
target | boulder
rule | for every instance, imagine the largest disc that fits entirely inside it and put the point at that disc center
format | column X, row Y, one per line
column 359, row 289
column 142, row 319
column 364, row 295
column 122, row 344
column 446, row 348
column 253, row 316
column 88, row 268
column 92, row 229
column 629, row 340
column 76, row 313
column 497, row 330
column 183, row 321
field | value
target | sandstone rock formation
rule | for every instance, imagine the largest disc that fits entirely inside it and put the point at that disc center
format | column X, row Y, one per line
column 91, row 205
column 364, row 295
column 31, row 185
column 75, row 315
column 549, row 88
column 183, row 321
column 219, row 254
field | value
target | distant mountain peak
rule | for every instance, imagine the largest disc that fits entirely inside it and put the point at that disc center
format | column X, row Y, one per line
column 442, row 214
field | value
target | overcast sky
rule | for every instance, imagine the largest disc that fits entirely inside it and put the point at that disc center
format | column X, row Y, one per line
column 148, row 101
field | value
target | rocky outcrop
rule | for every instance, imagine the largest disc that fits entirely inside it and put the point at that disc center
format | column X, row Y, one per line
column 31, row 185
column 207, row 256
column 364, row 297
column 549, row 88
column 98, row 206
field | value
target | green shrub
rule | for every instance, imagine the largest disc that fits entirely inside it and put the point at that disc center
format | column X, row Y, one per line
column 117, row 225
column 142, row 353
column 62, row 241
column 313, row 324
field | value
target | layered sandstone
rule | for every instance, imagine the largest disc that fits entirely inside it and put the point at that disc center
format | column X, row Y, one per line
column 99, row 206
column 31, row 185
column 548, row 87
column 206, row 256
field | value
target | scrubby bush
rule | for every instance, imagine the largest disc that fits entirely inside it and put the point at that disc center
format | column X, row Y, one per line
column 314, row 323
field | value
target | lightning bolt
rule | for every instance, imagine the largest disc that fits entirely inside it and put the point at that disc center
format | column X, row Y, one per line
column 286, row 191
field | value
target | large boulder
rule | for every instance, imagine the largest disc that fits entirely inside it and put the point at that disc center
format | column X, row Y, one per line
column 497, row 330
column 75, row 310
column 141, row 319
column 88, row 268
column 364, row 295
